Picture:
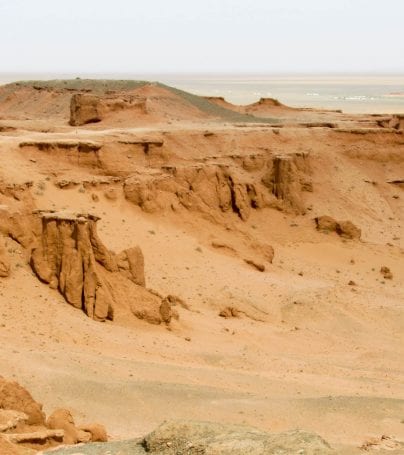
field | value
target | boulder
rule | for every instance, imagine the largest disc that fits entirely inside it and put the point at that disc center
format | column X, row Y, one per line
column 149, row 307
column 386, row 272
column 229, row 312
column 194, row 438
column 166, row 311
column 326, row 223
column 15, row 397
column 348, row 230
column 345, row 229
column 84, row 109
column 61, row 419
column 98, row 433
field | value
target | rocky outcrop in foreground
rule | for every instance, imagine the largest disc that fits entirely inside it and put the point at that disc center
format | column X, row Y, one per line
column 23, row 423
column 197, row 438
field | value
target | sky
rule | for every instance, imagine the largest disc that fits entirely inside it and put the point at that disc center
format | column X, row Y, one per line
column 208, row 36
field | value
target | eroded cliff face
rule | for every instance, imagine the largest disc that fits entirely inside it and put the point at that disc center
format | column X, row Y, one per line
column 278, row 182
column 85, row 109
column 287, row 178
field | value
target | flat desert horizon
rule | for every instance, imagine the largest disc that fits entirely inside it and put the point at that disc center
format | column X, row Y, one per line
column 353, row 93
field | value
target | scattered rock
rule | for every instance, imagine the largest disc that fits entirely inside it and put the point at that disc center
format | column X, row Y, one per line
column 62, row 419
column 165, row 311
column 229, row 312
column 257, row 265
column 345, row 229
column 382, row 443
column 348, row 230
column 97, row 432
column 326, row 223
column 386, row 272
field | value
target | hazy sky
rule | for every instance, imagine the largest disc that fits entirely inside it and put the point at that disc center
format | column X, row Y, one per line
column 201, row 35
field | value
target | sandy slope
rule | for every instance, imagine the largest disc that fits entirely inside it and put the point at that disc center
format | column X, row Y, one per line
column 309, row 351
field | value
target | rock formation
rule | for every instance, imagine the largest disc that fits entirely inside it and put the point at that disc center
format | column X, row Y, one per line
column 22, row 422
column 70, row 257
column 395, row 122
column 197, row 438
column 21, row 226
column 63, row 419
column 15, row 397
column 287, row 178
column 200, row 188
column 344, row 229
column 67, row 258
column 214, row 187
column 192, row 438
column 84, row 109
